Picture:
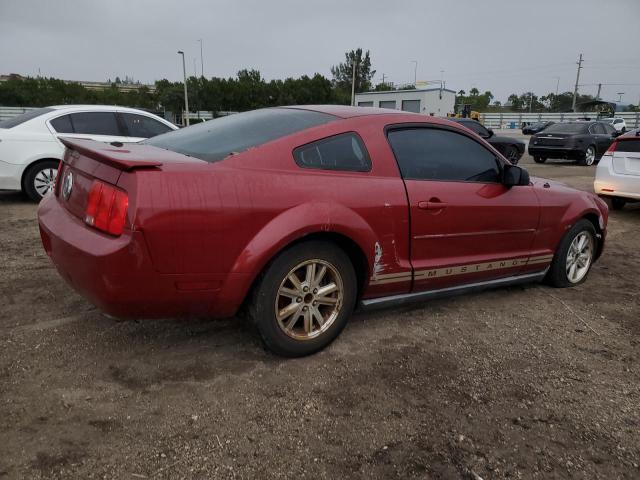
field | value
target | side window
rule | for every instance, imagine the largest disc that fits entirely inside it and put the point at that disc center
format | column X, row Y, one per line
column 608, row 128
column 95, row 123
column 435, row 154
column 142, row 126
column 62, row 124
column 341, row 152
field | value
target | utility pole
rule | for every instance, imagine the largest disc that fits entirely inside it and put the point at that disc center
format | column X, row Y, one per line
column 575, row 90
column 201, row 58
column 353, row 82
column 530, row 102
column 383, row 79
column 557, row 84
column 186, row 96
column 415, row 71
column 598, row 94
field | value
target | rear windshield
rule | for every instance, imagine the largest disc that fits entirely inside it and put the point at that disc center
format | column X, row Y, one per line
column 567, row 128
column 631, row 145
column 219, row 138
column 17, row 120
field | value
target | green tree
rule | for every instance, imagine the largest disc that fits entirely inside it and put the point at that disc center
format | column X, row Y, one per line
column 343, row 72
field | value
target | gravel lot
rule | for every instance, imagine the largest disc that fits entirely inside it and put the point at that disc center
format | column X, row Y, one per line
column 522, row 382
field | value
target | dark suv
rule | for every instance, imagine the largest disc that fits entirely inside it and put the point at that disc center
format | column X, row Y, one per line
column 511, row 148
column 585, row 142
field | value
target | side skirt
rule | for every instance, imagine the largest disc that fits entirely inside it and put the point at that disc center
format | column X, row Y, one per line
column 407, row 298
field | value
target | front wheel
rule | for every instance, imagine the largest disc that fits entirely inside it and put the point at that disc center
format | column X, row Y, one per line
column 539, row 159
column 40, row 179
column 304, row 298
column 589, row 157
column 574, row 256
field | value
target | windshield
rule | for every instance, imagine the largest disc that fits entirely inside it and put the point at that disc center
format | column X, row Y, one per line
column 567, row 128
column 219, row 138
column 17, row 120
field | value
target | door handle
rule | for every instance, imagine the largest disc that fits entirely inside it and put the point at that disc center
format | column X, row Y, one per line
column 432, row 204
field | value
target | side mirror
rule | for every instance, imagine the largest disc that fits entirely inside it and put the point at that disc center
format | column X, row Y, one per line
column 491, row 134
column 513, row 176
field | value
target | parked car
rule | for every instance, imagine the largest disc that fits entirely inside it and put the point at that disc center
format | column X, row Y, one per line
column 31, row 144
column 536, row 127
column 585, row 142
column 618, row 173
column 618, row 123
column 512, row 148
column 299, row 214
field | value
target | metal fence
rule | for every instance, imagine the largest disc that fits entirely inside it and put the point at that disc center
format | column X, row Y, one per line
column 515, row 120
column 10, row 112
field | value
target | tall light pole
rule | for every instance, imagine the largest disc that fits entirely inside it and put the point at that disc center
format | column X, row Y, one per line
column 557, row 84
column 201, row 59
column 415, row 71
column 186, row 96
column 575, row 90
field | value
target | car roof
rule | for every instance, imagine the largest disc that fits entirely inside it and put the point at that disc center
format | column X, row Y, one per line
column 98, row 108
column 346, row 111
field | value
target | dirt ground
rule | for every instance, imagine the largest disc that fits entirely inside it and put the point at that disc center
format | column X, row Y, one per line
column 522, row 382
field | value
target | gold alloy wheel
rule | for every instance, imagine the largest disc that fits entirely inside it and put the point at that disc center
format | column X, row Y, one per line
column 579, row 257
column 309, row 299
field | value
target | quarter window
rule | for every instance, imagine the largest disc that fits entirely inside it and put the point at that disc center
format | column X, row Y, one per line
column 95, row 123
column 142, row 126
column 436, row 154
column 341, row 152
column 62, row 124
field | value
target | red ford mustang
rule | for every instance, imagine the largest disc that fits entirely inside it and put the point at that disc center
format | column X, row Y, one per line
column 301, row 214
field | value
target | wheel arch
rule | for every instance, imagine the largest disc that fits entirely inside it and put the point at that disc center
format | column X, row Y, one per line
column 33, row 163
column 342, row 226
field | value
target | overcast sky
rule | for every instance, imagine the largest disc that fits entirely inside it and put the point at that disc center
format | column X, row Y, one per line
column 504, row 46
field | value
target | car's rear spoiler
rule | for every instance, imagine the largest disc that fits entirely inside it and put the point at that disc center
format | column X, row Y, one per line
column 117, row 155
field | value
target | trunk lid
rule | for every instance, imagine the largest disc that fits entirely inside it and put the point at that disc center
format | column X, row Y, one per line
column 86, row 161
column 626, row 156
column 552, row 139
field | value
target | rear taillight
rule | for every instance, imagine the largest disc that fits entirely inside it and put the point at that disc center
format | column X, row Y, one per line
column 106, row 208
column 612, row 148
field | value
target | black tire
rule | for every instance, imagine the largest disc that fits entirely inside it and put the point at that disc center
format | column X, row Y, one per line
column 512, row 153
column 31, row 183
column 262, row 309
column 618, row 203
column 557, row 274
column 588, row 157
column 539, row 159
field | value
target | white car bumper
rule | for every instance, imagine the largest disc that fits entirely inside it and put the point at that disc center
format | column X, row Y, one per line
column 611, row 184
column 10, row 176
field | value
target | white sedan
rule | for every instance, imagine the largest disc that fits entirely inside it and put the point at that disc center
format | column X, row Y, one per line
column 618, row 173
column 30, row 146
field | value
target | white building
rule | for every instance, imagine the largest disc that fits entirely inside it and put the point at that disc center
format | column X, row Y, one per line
column 428, row 101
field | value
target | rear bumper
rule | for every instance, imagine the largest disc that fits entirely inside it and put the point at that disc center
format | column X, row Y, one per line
column 118, row 277
column 555, row 152
column 608, row 183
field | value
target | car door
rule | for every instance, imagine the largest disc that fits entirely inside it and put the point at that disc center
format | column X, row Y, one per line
column 466, row 226
column 141, row 127
column 602, row 136
column 100, row 126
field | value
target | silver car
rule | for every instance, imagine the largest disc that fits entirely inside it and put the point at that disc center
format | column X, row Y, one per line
column 618, row 173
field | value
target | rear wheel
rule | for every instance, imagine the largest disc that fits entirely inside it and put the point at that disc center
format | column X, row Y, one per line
column 618, row 203
column 512, row 153
column 304, row 298
column 589, row 156
column 539, row 159
column 574, row 256
column 40, row 179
